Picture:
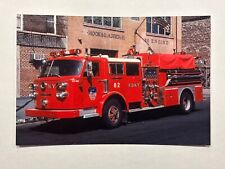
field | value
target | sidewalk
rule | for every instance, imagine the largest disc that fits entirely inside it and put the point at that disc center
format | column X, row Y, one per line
column 20, row 102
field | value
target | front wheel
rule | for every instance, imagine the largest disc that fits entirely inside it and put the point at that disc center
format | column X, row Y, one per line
column 112, row 114
column 187, row 103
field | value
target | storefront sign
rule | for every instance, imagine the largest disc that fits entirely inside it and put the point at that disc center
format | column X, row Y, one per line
column 106, row 35
column 158, row 41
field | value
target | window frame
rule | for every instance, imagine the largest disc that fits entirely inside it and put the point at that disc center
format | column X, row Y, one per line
column 98, row 66
column 135, row 18
column 116, row 63
column 58, row 65
column 94, row 75
column 158, row 27
column 21, row 28
column 102, row 25
column 138, row 70
column 19, row 19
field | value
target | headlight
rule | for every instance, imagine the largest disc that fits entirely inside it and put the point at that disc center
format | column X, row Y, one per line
column 43, row 86
column 33, row 95
column 61, row 86
column 61, row 95
column 33, row 86
column 44, row 102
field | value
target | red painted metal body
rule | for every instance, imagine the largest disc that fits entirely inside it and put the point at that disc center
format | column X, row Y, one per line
column 155, row 83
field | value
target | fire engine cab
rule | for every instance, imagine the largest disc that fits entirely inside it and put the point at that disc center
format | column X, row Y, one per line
column 71, row 85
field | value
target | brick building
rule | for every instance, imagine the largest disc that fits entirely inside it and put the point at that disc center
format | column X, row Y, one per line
column 196, row 39
column 114, row 35
column 37, row 35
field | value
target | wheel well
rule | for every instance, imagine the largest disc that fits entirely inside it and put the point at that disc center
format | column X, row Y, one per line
column 188, row 91
column 120, row 99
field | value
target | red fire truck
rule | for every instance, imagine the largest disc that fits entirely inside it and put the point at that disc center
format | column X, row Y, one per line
column 71, row 85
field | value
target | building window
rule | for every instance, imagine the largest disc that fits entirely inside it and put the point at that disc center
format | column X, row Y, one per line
column 88, row 19
column 159, row 25
column 107, row 21
column 135, row 18
column 112, row 22
column 39, row 23
column 97, row 20
column 19, row 21
column 50, row 24
column 43, row 24
column 116, row 22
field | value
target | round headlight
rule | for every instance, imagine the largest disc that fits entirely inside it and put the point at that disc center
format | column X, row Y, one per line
column 43, row 86
column 33, row 86
column 44, row 102
column 61, row 95
column 61, row 86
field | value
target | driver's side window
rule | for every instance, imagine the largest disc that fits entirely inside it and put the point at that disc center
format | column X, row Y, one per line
column 95, row 69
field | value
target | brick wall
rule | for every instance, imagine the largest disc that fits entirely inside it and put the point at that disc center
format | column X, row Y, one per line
column 27, row 72
column 196, row 36
column 33, row 37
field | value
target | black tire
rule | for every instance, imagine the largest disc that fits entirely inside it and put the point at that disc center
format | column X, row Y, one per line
column 112, row 114
column 187, row 103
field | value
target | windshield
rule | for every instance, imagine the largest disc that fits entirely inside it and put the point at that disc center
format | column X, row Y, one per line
column 61, row 68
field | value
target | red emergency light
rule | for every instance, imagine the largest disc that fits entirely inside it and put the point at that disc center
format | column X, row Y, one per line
column 52, row 54
column 65, row 52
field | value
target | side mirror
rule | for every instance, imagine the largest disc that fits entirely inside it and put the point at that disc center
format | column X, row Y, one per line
column 89, row 69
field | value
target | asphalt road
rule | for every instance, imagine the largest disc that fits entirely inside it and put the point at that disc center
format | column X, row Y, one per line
column 161, row 127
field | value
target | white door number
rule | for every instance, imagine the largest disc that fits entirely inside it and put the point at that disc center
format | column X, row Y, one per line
column 116, row 85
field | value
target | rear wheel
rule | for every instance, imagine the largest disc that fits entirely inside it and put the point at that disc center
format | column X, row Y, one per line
column 186, row 102
column 112, row 114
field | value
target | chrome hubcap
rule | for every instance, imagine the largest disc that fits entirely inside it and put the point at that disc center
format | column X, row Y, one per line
column 187, row 103
column 113, row 114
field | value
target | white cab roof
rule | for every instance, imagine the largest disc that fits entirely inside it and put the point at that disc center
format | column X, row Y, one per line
column 123, row 60
column 119, row 59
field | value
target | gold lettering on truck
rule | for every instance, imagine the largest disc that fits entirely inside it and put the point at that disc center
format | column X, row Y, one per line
column 133, row 84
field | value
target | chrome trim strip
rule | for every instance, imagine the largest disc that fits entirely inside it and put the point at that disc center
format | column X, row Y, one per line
column 87, row 113
column 145, row 108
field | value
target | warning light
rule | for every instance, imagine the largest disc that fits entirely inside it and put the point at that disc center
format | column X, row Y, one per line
column 65, row 53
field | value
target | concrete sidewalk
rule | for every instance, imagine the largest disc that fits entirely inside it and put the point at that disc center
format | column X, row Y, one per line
column 20, row 115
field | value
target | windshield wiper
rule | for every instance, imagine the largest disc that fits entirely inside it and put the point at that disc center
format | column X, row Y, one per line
column 50, row 68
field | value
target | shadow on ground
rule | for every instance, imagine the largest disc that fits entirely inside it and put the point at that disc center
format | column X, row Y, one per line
column 71, row 126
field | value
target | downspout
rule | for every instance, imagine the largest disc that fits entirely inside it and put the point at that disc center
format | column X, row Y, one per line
column 136, row 33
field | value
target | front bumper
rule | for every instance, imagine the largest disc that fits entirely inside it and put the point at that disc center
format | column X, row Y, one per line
column 61, row 114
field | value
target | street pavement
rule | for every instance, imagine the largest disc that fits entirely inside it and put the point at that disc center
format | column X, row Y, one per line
column 165, row 126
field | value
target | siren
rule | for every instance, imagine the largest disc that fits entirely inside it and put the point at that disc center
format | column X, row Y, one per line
column 65, row 53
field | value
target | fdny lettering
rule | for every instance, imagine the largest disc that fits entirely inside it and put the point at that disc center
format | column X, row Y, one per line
column 52, row 86
column 133, row 84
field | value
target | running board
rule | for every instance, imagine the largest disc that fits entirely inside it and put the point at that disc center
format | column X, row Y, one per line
column 145, row 108
column 88, row 113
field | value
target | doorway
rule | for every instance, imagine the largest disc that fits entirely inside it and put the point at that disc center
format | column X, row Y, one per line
column 110, row 53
